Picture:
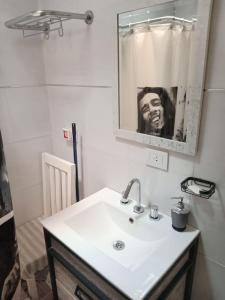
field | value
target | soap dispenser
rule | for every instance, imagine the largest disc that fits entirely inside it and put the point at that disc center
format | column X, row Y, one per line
column 179, row 215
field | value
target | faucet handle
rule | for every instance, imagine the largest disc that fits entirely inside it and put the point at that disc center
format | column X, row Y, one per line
column 154, row 212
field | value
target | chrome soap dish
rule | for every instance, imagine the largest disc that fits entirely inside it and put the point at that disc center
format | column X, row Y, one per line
column 45, row 21
column 198, row 187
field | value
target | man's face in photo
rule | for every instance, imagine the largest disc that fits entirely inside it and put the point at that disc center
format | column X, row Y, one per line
column 152, row 110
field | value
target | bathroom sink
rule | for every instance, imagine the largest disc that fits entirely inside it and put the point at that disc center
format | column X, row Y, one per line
column 131, row 251
column 110, row 228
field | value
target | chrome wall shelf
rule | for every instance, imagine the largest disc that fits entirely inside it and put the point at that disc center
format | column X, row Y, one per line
column 45, row 21
column 198, row 187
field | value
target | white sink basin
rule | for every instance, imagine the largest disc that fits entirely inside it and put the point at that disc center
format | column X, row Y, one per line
column 91, row 227
column 103, row 224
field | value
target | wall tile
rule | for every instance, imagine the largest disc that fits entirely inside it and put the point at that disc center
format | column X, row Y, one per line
column 208, row 280
column 13, row 8
column 209, row 161
column 209, row 215
column 216, row 63
column 102, row 169
column 27, row 203
column 24, row 161
column 21, row 59
column 90, row 108
column 28, row 113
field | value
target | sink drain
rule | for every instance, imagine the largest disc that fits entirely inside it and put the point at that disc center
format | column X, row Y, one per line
column 118, row 245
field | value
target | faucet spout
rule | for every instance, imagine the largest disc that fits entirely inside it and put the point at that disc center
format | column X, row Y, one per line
column 129, row 186
column 137, row 208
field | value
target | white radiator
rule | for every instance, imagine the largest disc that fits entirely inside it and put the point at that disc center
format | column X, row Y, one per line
column 58, row 177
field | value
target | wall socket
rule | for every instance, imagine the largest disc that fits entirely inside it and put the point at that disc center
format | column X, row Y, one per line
column 157, row 159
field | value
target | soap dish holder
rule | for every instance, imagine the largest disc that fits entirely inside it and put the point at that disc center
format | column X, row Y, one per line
column 198, row 187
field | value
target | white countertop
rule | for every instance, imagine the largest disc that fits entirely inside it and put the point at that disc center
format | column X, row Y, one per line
column 138, row 280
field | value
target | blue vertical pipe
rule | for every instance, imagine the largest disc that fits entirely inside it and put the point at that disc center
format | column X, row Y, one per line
column 74, row 133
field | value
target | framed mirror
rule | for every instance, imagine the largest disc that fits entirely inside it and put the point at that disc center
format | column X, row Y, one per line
column 162, row 53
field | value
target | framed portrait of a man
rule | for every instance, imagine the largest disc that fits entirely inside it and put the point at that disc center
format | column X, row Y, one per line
column 157, row 112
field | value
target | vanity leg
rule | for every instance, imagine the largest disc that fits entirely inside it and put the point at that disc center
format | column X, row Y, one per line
column 190, row 273
column 51, row 265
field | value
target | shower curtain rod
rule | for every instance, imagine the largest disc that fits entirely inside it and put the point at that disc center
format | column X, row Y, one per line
column 155, row 20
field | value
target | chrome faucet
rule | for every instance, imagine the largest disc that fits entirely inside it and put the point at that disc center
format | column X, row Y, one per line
column 137, row 208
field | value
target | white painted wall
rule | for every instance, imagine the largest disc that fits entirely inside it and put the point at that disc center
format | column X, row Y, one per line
column 24, row 116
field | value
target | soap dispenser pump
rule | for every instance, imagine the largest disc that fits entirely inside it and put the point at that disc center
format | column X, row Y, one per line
column 179, row 215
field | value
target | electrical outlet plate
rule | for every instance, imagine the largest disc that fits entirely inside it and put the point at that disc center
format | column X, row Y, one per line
column 67, row 134
column 157, row 159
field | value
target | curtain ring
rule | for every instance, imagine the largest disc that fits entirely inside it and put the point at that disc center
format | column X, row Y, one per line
column 183, row 23
column 130, row 29
column 149, row 24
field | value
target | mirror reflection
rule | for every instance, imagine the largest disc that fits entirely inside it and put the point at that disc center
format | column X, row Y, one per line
column 155, row 55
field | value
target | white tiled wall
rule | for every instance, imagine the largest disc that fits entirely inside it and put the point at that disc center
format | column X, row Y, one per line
column 21, row 60
column 25, row 126
column 216, row 63
column 24, row 115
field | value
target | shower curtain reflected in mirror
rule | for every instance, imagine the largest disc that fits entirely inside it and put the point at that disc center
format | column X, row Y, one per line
column 9, row 258
column 154, row 62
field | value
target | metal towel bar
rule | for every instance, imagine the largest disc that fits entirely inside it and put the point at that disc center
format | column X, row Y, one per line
column 45, row 21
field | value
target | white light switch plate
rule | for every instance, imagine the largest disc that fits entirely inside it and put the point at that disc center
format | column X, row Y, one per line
column 157, row 159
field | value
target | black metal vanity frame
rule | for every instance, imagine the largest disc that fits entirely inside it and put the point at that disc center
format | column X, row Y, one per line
column 188, row 268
